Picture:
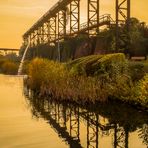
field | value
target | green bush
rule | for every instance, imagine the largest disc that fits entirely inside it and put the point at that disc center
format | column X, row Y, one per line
column 37, row 72
column 141, row 91
column 136, row 70
column 9, row 67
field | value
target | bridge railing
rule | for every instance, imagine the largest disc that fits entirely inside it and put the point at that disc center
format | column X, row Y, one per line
column 104, row 19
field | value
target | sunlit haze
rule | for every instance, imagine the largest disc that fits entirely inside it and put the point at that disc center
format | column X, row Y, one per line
column 17, row 16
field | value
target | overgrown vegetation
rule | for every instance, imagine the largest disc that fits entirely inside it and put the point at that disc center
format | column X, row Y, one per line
column 141, row 91
column 88, row 79
column 9, row 64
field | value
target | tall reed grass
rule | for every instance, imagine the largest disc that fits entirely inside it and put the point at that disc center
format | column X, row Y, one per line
column 88, row 79
column 8, row 67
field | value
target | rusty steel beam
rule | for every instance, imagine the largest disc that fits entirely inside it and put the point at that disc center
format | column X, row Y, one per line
column 48, row 30
column 74, row 16
column 49, row 14
column 45, row 32
column 62, row 23
column 93, row 15
column 122, row 17
column 39, row 35
column 104, row 20
column 31, row 39
column 52, row 29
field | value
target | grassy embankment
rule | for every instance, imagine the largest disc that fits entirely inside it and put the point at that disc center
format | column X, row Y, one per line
column 90, row 79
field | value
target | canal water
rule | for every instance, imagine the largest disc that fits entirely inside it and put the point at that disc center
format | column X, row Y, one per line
column 29, row 122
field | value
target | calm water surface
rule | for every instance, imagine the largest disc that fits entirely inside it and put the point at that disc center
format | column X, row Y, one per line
column 29, row 122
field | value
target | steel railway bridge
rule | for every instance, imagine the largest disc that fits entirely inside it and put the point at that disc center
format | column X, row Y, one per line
column 53, row 26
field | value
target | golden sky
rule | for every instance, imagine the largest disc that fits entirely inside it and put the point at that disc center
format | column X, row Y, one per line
column 17, row 16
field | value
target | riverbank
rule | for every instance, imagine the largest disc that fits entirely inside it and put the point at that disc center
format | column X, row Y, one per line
column 29, row 121
column 89, row 79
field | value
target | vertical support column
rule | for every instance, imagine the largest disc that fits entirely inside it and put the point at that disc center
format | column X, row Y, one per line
column 31, row 39
column 128, row 13
column 52, row 28
column 93, row 16
column 74, row 16
column 34, row 38
column 26, row 40
column 48, row 31
column 39, row 35
column 45, row 32
column 122, row 17
column 62, row 23
column 42, row 34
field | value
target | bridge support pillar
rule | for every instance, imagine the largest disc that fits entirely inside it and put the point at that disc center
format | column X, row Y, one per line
column 34, row 38
column 74, row 16
column 93, row 16
column 52, row 29
column 39, row 36
column 61, row 23
column 45, row 32
column 26, row 41
column 31, row 39
column 122, row 17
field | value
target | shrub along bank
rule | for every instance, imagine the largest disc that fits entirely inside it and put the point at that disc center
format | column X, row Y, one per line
column 88, row 79
column 8, row 66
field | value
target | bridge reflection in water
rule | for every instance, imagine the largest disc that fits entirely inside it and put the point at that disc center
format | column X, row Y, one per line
column 113, row 121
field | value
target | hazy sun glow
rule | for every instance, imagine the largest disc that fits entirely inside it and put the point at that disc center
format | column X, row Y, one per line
column 17, row 16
